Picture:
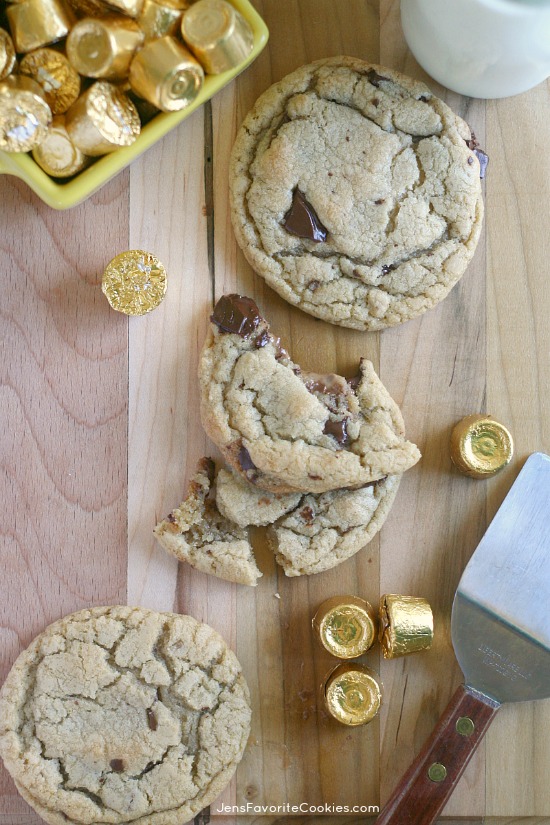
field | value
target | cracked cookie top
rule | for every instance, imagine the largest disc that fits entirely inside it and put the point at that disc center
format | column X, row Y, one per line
column 286, row 430
column 355, row 194
column 123, row 715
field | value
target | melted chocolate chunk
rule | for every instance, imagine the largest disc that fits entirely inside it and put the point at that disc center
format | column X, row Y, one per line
column 307, row 514
column 375, row 78
column 245, row 461
column 301, row 220
column 338, row 430
column 330, row 384
column 354, row 382
column 262, row 339
column 387, row 268
column 483, row 159
column 236, row 314
column 313, row 285
column 473, row 143
column 152, row 719
column 117, row 765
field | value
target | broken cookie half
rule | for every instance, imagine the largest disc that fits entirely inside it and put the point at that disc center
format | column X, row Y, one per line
column 288, row 431
column 197, row 533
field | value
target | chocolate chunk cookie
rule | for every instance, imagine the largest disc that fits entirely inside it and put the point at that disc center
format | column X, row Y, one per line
column 309, row 533
column 197, row 533
column 288, row 431
column 123, row 715
column 355, row 193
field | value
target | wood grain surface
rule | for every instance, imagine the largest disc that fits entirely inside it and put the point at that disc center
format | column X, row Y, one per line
column 101, row 432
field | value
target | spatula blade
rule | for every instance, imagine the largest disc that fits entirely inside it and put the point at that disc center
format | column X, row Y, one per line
column 500, row 623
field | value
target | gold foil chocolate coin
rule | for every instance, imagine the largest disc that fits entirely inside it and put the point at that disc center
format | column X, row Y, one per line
column 24, row 114
column 134, row 282
column 353, row 694
column 345, row 625
column 53, row 72
column 480, row 446
column 406, row 625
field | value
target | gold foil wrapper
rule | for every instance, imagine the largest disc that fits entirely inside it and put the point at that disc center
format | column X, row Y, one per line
column 36, row 23
column 130, row 7
column 57, row 155
column 7, row 54
column 88, row 8
column 102, row 119
column 24, row 114
column 53, row 72
column 406, row 625
column 217, row 35
column 166, row 74
column 104, row 48
column 480, row 446
column 159, row 19
column 353, row 694
column 345, row 626
column 134, row 282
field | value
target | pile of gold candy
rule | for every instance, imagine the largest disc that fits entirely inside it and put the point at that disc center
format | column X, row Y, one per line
column 79, row 77
column 346, row 626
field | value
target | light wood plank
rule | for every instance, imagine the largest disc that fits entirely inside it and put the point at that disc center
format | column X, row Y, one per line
column 434, row 367
column 518, row 388
column 63, row 367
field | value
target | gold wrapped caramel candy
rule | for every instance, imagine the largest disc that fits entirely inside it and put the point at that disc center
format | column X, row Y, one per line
column 406, row 625
column 88, row 8
column 345, row 625
column 217, row 35
column 36, row 23
column 53, row 72
column 353, row 694
column 7, row 54
column 57, row 155
column 104, row 48
column 134, row 282
column 480, row 446
column 166, row 74
column 24, row 114
column 130, row 7
column 159, row 19
column 102, row 119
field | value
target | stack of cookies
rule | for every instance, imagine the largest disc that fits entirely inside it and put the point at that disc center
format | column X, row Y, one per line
column 315, row 458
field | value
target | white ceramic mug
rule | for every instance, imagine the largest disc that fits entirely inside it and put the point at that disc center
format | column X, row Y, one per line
column 480, row 48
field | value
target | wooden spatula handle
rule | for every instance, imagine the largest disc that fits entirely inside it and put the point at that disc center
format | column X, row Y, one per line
column 427, row 785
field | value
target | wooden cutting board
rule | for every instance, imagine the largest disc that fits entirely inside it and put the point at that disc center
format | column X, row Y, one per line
column 101, row 431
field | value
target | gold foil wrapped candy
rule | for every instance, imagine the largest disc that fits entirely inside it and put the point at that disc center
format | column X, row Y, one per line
column 24, row 114
column 53, row 72
column 406, row 625
column 104, row 47
column 345, row 626
column 159, row 19
column 7, row 54
column 102, row 119
column 217, row 35
column 166, row 74
column 134, row 282
column 353, row 694
column 36, row 23
column 480, row 446
column 57, row 155
column 130, row 7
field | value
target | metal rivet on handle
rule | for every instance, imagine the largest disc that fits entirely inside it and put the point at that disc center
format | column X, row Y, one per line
column 437, row 772
column 465, row 726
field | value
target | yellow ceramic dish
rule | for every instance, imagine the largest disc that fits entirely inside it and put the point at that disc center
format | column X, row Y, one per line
column 64, row 195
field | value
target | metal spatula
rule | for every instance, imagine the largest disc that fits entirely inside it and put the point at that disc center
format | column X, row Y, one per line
column 500, row 629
